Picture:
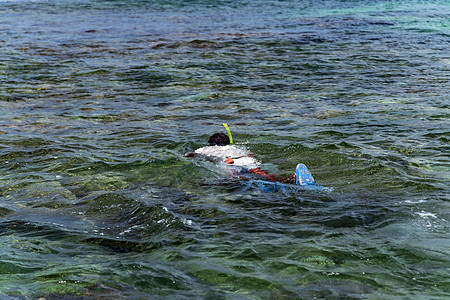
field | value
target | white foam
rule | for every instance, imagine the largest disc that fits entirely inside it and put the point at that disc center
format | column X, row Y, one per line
column 425, row 214
column 414, row 202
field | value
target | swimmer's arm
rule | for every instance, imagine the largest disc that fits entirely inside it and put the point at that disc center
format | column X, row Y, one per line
column 190, row 154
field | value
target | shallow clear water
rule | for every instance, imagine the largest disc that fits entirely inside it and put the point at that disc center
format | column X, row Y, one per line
column 101, row 99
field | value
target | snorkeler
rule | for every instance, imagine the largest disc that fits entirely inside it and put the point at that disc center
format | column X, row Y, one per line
column 241, row 161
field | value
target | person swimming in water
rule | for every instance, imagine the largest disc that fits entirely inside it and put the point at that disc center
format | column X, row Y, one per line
column 241, row 161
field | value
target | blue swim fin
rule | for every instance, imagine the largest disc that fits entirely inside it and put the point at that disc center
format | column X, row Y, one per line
column 304, row 176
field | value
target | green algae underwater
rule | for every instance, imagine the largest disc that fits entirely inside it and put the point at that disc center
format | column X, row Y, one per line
column 101, row 99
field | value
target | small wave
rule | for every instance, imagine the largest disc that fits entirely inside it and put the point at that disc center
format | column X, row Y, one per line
column 424, row 214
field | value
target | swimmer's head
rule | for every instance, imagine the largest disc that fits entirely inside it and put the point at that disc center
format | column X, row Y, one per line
column 219, row 139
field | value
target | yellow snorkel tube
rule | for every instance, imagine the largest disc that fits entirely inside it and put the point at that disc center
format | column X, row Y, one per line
column 229, row 132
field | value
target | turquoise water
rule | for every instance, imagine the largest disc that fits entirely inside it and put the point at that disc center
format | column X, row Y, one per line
column 101, row 99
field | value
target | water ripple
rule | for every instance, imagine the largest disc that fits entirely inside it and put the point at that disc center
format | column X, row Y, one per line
column 100, row 100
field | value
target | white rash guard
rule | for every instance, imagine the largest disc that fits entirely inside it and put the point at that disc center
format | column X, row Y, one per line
column 240, row 157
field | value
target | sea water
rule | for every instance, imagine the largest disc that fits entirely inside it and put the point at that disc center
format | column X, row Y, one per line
column 100, row 100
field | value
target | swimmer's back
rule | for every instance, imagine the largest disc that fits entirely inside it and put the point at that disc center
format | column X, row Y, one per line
column 240, row 156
